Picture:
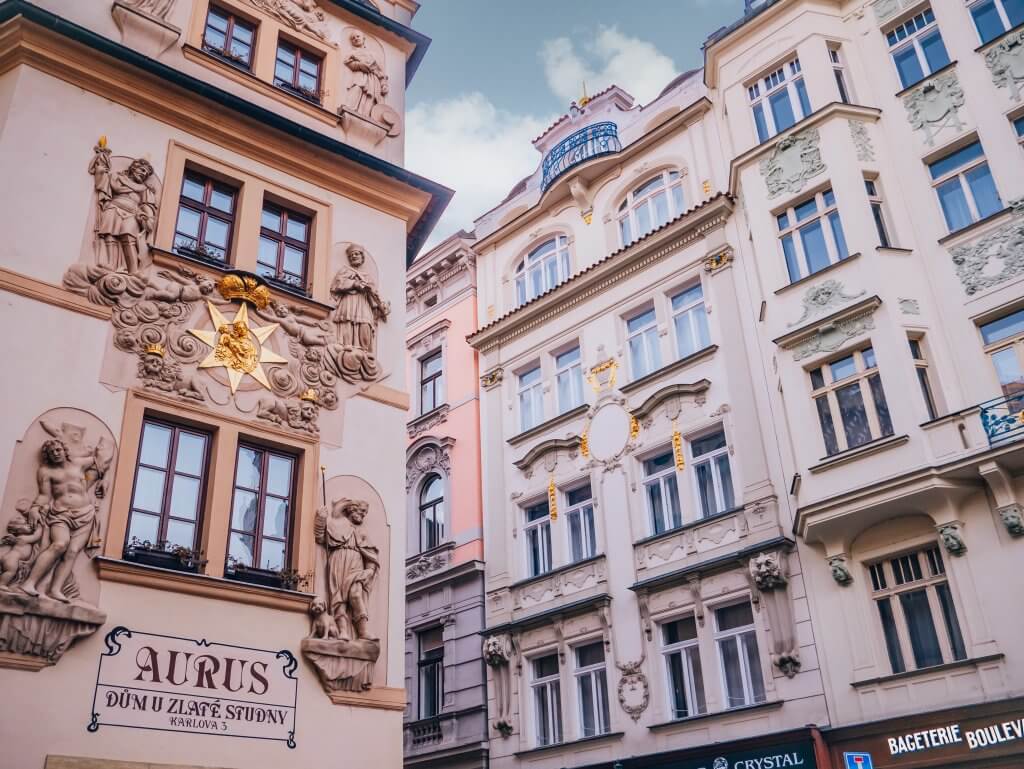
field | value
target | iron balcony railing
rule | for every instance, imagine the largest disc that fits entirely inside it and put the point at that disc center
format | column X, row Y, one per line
column 593, row 141
column 1003, row 419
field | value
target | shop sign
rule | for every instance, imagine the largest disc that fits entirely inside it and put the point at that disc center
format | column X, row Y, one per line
column 797, row 755
column 162, row 682
column 954, row 734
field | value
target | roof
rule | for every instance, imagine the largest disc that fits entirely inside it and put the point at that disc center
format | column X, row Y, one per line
column 677, row 80
column 440, row 195
column 748, row 15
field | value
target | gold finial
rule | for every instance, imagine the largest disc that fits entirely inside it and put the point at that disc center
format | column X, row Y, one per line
column 245, row 288
column 103, row 142
column 584, row 99
column 310, row 395
column 155, row 348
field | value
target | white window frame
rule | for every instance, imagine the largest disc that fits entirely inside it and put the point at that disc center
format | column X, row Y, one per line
column 660, row 479
column 913, row 38
column 922, row 371
column 960, row 174
column 759, row 91
column 541, row 262
column 1004, row 17
column 1017, row 124
column 650, row 342
column 436, row 381
column 1014, row 343
column 553, row 717
column 931, row 566
column 835, row 55
column 598, row 675
column 695, row 309
column 866, row 368
column 710, row 458
column 421, row 668
column 683, row 649
column 827, row 215
column 734, row 636
column 876, row 201
column 541, row 527
column 533, row 393
column 571, row 372
column 627, row 214
column 584, row 511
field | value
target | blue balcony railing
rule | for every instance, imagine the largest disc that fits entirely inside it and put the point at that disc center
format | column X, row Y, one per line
column 1003, row 419
column 591, row 142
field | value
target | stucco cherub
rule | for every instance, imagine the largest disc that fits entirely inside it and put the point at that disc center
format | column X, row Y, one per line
column 24, row 531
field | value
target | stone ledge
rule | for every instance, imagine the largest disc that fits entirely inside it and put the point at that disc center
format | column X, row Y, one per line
column 380, row 697
column 970, row 662
column 13, row 661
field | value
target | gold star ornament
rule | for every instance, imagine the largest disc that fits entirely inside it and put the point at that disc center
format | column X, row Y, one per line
column 237, row 346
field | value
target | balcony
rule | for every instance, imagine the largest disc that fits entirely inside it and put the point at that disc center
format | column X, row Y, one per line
column 591, row 142
column 1003, row 419
column 455, row 734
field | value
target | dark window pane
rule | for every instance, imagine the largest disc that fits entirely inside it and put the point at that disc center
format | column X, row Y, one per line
column 760, row 123
column 677, row 680
column 956, row 639
column 828, row 430
column 955, row 160
column 986, row 19
column 853, row 415
column 812, row 237
column 1003, row 328
column 892, row 639
column 881, row 407
column 908, row 66
column 923, row 639
column 782, row 110
column 954, row 204
column 737, row 615
column 684, row 629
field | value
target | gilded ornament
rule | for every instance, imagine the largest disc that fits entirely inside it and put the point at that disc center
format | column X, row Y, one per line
column 238, row 347
column 553, row 499
column 594, row 378
column 155, row 348
column 309, row 395
column 634, row 428
column 677, row 447
column 718, row 261
column 584, row 446
column 246, row 288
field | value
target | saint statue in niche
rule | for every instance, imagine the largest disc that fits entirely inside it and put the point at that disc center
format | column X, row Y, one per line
column 352, row 563
column 358, row 310
column 370, row 85
column 126, row 208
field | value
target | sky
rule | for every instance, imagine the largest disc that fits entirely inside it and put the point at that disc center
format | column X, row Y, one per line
column 498, row 73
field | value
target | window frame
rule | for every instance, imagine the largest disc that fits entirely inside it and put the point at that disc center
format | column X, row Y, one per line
column 432, row 507
column 434, row 665
column 261, row 496
column 574, row 372
column 734, row 635
column 831, row 386
column 539, row 259
column 627, row 213
column 300, row 54
column 584, row 511
column 710, row 458
column 876, row 201
column 435, row 381
column 912, row 39
column 232, row 20
column 554, row 722
column 1001, row 13
column 545, row 550
column 205, row 210
column 922, row 372
column 771, row 84
column 959, row 173
column 826, row 215
column 1017, row 123
column 597, row 673
column 695, row 310
column 650, row 338
column 660, row 478
column 164, row 515
column 534, row 391
column 282, row 241
column 682, row 649
column 1011, row 342
column 838, row 61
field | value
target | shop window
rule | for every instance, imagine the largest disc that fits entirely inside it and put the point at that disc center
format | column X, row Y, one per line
column 712, row 473
column 206, row 218
column 261, row 510
column 917, row 48
column 284, row 246
column 580, row 523
column 779, row 100
column 916, row 610
column 431, row 382
column 652, row 204
column 542, row 269
column 965, row 187
column 642, row 340
column 680, row 650
column 547, row 700
column 661, row 490
column 811, row 234
column 742, row 679
column 592, row 689
column 298, row 71
column 431, row 672
column 994, row 17
column 537, row 535
column 848, row 392
column 432, row 513
column 229, row 37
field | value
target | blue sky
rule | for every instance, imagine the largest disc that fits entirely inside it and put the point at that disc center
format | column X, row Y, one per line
column 498, row 73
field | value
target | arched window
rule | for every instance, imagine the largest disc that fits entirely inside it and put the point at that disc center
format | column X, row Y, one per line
column 650, row 205
column 543, row 268
column 432, row 513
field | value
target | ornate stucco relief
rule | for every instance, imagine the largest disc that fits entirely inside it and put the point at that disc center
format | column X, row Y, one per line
column 909, row 306
column 935, row 105
column 498, row 651
column 428, row 422
column 840, row 569
column 994, row 258
column 301, row 15
column 634, row 691
column 365, row 110
column 1006, row 63
column 426, row 564
column 824, row 298
column 769, row 575
column 832, row 338
column 862, row 140
column 1013, row 519
column 429, row 459
column 886, row 9
column 54, row 514
column 951, row 535
column 144, row 25
column 794, row 161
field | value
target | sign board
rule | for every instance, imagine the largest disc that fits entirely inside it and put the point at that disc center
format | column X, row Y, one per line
column 858, row 761
column 152, row 681
column 794, row 755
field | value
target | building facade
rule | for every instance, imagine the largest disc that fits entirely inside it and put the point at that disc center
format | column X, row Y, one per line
column 446, row 719
column 202, row 561
column 751, row 364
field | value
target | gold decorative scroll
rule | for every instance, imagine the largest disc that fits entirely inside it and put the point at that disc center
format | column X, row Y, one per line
column 677, row 446
column 552, row 498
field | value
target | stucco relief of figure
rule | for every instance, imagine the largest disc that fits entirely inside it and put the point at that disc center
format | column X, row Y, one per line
column 24, row 531
column 158, row 8
column 301, row 414
column 70, row 483
column 367, row 92
column 303, row 15
column 352, row 564
column 126, row 208
column 358, row 310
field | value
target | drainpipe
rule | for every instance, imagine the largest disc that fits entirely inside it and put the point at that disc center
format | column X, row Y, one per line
column 822, row 755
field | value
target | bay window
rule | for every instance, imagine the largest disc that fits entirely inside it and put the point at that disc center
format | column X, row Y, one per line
column 580, row 523
column 542, row 269
column 965, row 187
column 779, row 100
column 917, row 48
column 592, row 689
column 661, row 490
column 994, row 17
column 261, row 508
column 690, row 320
column 681, row 651
column 916, row 610
column 531, row 399
column 650, row 205
column 537, row 534
column 547, row 700
column 569, row 380
column 742, row 679
column 811, row 234
column 1004, row 344
column 848, row 391
column 712, row 473
column 642, row 339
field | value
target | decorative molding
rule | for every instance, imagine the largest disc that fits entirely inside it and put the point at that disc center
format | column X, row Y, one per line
column 831, row 337
column 935, row 105
column 143, row 25
column 380, row 698
column 633, row 690
column 553, row 445
column 951, row 535
column 1005, row 61
column 41, row 291
column 886, row 9
column 301, row 15
column 909, row 306
column 13, row 661
column 795, row 160
column 824, row 298
column 428, row 421
column 1012, row 517
column 768, row 570
column 492, row 378
column 721, row 259
column 837, row 564
column 972, row 261
column 426, row 457
column 427, row 564
column 862, row 140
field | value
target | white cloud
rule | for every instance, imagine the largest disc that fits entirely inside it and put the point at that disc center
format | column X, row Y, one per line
column 478, row 150
column 610, row 58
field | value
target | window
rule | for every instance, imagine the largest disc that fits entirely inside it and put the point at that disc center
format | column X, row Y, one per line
column 877, row 212
column 712, row 474
column 921, row 366
column 431, row 382
column 812, row 235
column 432, row 513
column 569, row 380
column 838, row 70
column 297, row 71
column 170, row 477
column 661, row 488
column 592, row 689
column 580, row 519
column 1004, row 343
column 917, row 49
column 849, row 391
column 650, row 205
column 261, row 508
column 531, row 399
column 965, row 187
column 431, row 666
column 644, row 351
column 681, row 652
column 543, row 268
column 779, row 100
column 994, row 17
column 737, row 651
column 284, row 246
column 538, row 539
column 547, row 700
column 229, row 37
column 1018, row 127
column 913, row 600
column 206, row 218
column 690, row 321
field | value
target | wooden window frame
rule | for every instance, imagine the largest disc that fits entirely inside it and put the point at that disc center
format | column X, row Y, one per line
column 261, row 497
column 300, row 53
column 233, row 19
column 282, row 240
column 205, row 210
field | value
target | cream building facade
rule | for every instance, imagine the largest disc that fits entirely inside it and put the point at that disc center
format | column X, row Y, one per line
column 203, row 527
column 751, row 366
